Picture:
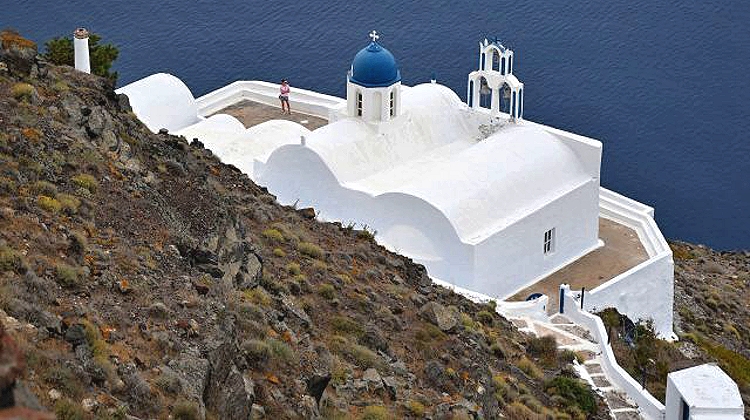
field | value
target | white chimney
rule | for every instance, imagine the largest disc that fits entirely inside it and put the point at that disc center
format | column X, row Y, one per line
column 81, row 48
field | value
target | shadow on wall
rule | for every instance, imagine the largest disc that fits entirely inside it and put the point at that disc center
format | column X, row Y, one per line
column 405, row 224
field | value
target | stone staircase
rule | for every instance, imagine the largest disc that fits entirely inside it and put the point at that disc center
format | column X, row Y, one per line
column 570, row 336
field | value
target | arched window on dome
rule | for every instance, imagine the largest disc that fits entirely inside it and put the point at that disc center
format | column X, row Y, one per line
column 393, row 104
column 359, row 103
column 502, row 68
column 495, row 60
column 482, row 63
column 485, row 93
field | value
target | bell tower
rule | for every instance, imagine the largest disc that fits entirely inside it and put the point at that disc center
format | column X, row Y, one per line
column 493, row 86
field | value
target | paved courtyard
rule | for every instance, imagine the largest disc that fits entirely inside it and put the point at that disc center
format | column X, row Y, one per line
column 253, row 113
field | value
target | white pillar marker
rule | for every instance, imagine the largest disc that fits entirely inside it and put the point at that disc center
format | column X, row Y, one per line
column 81, row 50
column 374, row 35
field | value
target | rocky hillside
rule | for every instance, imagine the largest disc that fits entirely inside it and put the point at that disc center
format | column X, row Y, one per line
column 712, row 309
column 142, row 278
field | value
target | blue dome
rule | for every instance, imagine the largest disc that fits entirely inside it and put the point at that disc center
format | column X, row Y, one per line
column 374, row 66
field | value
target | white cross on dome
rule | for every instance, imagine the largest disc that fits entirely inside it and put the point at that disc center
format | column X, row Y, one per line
column 374, row 35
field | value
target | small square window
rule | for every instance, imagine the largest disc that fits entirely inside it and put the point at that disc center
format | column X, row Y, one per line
column 549, row 241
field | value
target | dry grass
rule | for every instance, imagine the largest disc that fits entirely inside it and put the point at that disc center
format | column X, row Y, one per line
column 12, row 39
column 309, row 249
column 49, row 204
column 85, row 181
column 22, row 91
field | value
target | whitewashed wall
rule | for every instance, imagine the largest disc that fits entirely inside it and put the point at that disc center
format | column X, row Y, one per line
column 646, row 291
column 717, row 395
column 650, row 407
column 302, row 100
column 514, row 258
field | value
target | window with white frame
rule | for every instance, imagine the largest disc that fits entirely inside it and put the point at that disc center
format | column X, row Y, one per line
column 549, row 241
column 393, row 103
column 359, row 104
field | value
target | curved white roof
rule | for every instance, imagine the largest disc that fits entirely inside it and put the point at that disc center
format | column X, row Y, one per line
column 433, row 153
column 162, row 101
column 232, row 143
column 434, row 117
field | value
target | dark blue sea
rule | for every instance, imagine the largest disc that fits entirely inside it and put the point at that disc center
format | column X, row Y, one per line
column 665, row 85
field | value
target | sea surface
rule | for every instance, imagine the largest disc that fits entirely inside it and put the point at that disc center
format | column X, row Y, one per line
column 665, row 85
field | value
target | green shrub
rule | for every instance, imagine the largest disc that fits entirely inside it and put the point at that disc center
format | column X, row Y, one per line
column 345, row 325
column 293, row 268
column 366, row 234
column 69, row 203
column 279, row 252
column 66, row 275
column 529, row 368
column 375, row 412
column 59, row 51
column 327, row 291
column 257, row 296
column 319, row 266
column 10, row 260
column 85, row 181
column 467, row 322
column 429, row 333
column 544, row 348
column 574, row 392
column 61, row 377
column 185, row 410
column 357, row 354
column 78, row 243
column 49, row 204
column 416, row 408
column 501, row 386
column 257, row 351
column 68, row 410
column 485, row 317
column 363, row 357
column 310, row 249
column 44, row 188
column 99, row 347
column 569, row 356
column 273, row 235
column 7, row 185
column 280, row 350
column 22, row 91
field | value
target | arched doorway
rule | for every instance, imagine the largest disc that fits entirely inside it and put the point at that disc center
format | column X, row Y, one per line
column 485, row 93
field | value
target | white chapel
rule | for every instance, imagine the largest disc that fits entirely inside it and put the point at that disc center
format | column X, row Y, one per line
column 492, row 204
column 483, row 198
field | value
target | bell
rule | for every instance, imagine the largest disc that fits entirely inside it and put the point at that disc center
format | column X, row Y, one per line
column 484, row 88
